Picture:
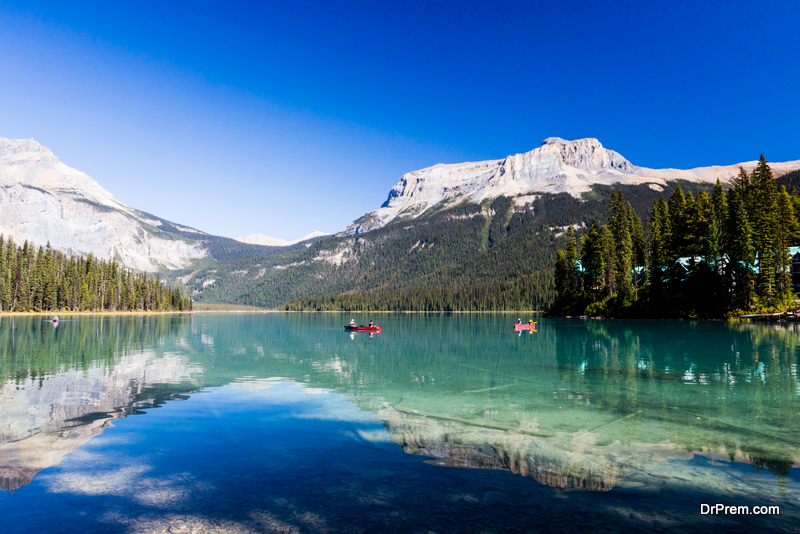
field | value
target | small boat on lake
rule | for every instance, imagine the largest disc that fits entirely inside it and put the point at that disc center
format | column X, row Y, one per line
column 362, row 328
column 529, row 326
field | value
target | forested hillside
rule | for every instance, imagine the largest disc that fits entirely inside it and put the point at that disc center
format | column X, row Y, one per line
column 41, row 279
column 494, row 256
column 703, row 255
column 790, row 180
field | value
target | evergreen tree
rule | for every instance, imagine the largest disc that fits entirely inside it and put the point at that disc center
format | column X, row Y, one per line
column 720, row 205
column 740, row 250
column 764, row 229
column 692, row 240
column 787, row 229
column 638, row 246
column 609, row 251
column 561, row 274
column 658, row 249
column 622, row 246
column 573, row 278
column 676, row 205
column 593, row 256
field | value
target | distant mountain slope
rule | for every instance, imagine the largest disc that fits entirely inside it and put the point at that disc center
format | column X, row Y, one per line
column 265, row 240
column 557, row 166
column 43, row 200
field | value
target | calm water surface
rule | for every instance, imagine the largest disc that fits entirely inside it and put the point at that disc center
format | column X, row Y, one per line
column 444, row 423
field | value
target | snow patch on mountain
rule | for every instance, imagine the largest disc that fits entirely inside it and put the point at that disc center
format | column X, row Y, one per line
column 558, row 166
column 265, row 240
column 43, row 200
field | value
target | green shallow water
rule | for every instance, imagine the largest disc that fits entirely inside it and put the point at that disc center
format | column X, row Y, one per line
column 284, row 422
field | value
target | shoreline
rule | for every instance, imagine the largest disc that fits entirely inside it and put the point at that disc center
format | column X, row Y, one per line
column 65, row 314
column 408, row 311
column 118, row 313
column 206, row 312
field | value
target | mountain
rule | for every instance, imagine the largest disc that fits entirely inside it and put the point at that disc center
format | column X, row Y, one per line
column 43, row 200
column 265, row 240
column 557, row 166
column 472, row 236
column 489, row 256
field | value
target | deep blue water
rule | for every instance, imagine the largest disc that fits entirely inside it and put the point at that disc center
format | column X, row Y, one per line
column 444, row 423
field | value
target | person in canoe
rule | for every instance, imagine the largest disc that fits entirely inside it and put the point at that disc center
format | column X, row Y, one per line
column 530, row 321
column 519, row 321
column 371, row 323
column 352, row 322
column 55, row 319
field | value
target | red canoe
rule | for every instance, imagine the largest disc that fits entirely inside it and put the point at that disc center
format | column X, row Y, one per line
column 362, row 328
column 518, row 327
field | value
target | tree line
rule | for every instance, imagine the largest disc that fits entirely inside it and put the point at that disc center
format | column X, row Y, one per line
column 498, row 296
column 42, row 280
column 703, row 255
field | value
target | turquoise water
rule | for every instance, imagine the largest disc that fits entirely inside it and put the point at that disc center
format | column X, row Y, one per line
column 443, row 423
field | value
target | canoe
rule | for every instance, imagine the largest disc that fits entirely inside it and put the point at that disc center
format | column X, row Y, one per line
column 362, row 328
column 518, row 327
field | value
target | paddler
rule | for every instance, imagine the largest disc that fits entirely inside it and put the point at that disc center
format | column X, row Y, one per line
column 352, row 322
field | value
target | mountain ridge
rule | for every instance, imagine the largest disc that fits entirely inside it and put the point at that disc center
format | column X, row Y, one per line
column 557, row 166
column 43, row 200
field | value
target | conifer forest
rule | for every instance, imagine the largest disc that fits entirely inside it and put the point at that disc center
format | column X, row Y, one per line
column 700, row 255
column 42, row 280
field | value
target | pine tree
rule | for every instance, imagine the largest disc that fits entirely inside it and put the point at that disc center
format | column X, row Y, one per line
column 787, row 229
column 622, row 246
column 593, row 262
column 720, row 205
column 610, row 275
column 676, row 205
column 573, row 279
column 659, row 243
column 692, row 240
column 765, row 229
column 562, row 276
column 740, row 250
column 638, row 246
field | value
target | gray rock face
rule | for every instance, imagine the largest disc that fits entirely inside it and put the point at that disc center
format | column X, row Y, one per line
column 43, row 200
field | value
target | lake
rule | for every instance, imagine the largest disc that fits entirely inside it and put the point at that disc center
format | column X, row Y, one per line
column 441, row 423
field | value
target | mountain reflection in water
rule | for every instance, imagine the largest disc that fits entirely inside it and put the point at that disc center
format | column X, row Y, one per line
column 577, row 405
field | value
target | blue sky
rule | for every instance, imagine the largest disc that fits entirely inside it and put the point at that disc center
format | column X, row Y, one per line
column 283, row 117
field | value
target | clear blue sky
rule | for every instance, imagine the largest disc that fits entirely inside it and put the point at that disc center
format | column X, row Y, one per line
column 283, row 117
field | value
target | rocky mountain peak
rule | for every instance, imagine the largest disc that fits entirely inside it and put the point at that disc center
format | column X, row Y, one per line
column 586, row 154
column 45, row 200
column 19, row 152
column 554, row 141
column 557, row 166
column 22, row 146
